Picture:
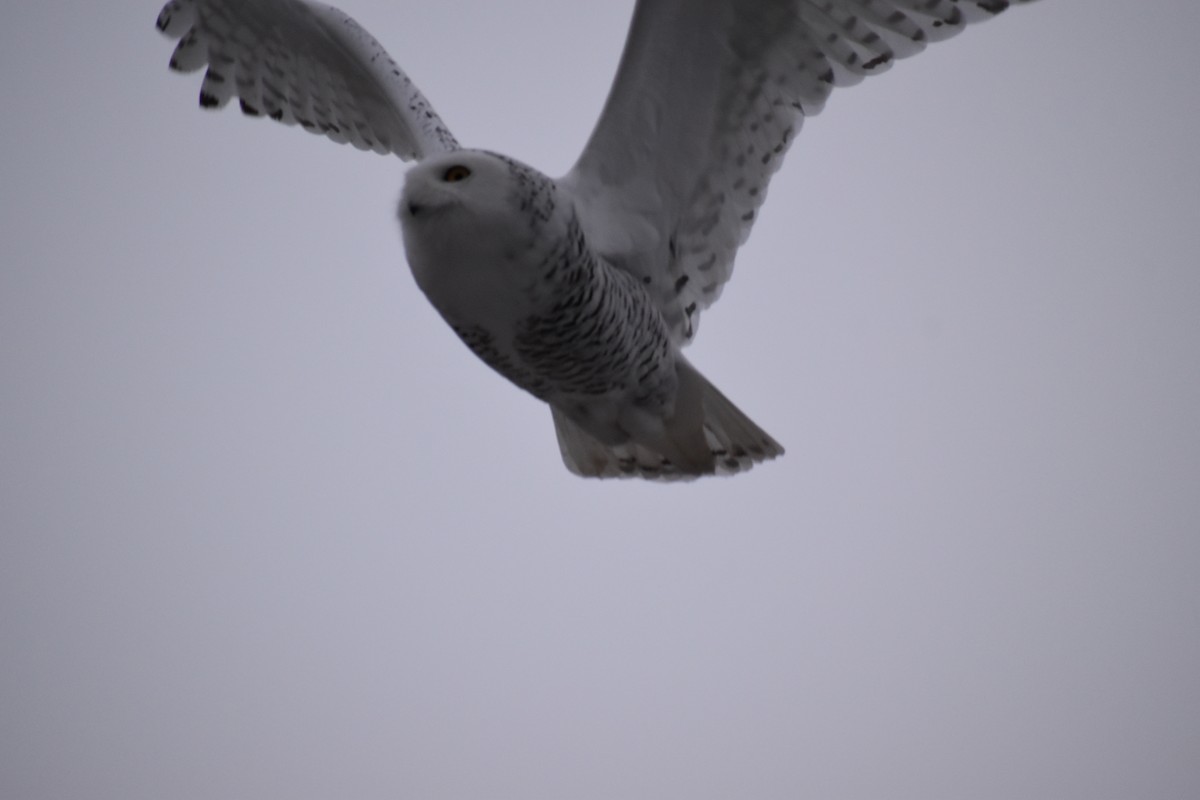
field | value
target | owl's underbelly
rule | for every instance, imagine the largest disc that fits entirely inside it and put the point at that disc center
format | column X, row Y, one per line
column 592, row 335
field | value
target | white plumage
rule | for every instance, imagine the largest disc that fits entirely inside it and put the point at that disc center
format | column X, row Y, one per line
column 582, row 290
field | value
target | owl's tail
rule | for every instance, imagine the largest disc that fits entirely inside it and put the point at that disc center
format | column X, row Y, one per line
column 708, row 435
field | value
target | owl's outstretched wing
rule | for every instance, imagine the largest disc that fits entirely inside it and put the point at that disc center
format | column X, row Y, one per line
column 307, row 63
column 708, row 97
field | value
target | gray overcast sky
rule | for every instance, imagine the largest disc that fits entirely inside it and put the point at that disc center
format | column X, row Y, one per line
column 270, row 530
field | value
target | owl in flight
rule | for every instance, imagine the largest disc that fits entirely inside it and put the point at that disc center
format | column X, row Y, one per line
column 584, row 289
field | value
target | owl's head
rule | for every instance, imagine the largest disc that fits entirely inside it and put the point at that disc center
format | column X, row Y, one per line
column 478, row 219
column 477, row 189
column 456, row 184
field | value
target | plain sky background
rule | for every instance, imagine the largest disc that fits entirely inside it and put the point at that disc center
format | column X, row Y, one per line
column 270, row 530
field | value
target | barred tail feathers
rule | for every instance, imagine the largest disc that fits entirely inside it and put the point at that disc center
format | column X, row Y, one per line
column 736, row 442
column 731, row 442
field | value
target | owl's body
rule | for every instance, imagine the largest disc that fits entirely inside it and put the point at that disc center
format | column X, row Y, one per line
column 498, row 249
column 584, row 289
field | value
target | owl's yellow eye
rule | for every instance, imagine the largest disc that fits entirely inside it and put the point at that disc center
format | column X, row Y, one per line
column 456, row 173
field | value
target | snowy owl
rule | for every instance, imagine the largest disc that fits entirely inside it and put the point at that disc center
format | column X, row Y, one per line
column 584, row 289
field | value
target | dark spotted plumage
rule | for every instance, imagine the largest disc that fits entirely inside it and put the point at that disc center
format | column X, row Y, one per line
column 601, row 333
column 533, row 192
column 592, row 329
column 482, row 343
